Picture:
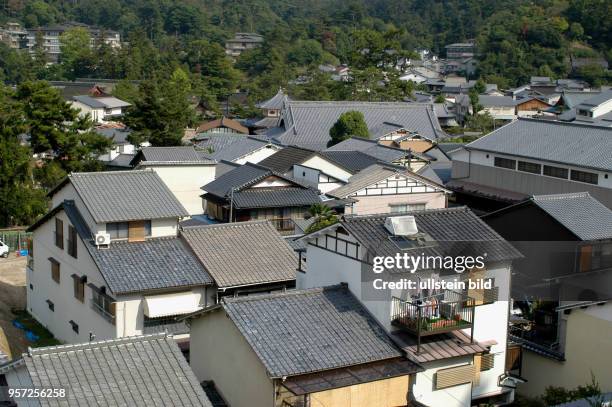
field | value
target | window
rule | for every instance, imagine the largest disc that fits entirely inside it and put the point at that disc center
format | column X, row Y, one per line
column 556, row 172
column 529, row 167
column 582, row 176
column 72, row 241
column 31, row 287
column 59, row 233
column 74, row 325
column 117, row 230
column 504, row 163
column 397, row 208
column 51, row 305
column 55, row 270
column 79, row 287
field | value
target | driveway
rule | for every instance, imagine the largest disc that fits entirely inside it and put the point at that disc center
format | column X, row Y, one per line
column 12, row 295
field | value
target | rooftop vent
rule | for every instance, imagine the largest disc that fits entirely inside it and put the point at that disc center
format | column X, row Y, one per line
column 402, row 225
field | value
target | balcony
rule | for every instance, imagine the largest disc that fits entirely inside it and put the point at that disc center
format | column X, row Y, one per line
column 100, row 309
column 439, row 313
column 285, row 226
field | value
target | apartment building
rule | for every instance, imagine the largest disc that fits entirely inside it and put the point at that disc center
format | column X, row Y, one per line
column 458, row 337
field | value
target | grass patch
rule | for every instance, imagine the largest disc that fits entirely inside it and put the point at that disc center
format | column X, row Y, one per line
column 45, row 338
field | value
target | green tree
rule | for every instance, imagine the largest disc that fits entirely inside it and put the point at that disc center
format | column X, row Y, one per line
column 20, row 202
column 162, row 111
column 77, row 55
column 323, row 216
column 349, row 124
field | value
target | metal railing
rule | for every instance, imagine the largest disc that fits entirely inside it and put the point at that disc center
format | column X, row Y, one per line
column 171, row 326
column 439, row 313
column 100, row 310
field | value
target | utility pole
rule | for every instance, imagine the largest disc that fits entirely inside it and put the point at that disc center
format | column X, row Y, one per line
column 231, row 206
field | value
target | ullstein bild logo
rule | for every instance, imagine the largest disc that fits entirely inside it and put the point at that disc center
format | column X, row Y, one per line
column 413, row 263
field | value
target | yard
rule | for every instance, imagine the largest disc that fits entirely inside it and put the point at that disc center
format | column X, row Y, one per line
column 13, row 340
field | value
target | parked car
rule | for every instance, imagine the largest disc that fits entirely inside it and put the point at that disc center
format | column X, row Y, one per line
column 4, row 249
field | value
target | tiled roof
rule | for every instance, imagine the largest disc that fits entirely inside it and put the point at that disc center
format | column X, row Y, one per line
column 169, row 155
column 308, row 123
column 222, row 122
column 579, row 212
column 572, row 99
column 241, row 148
column 453, row 230
column 311, row 330
column 275, row 197
column 134, row 371
column 492, row 101
column 283, row 160
column 108, row 102
column 572, row 144
column 213, row 142
column 122, row 160
column 159, row 263
column 372, row 175
column 116, row 196
column 353, row 161
column 439, row 173
column 116, row 135
column 242, row 253
column 276, row 102
column 597, row 100
column 370, row 147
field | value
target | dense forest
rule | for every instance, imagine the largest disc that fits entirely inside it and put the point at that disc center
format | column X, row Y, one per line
column 175, row 50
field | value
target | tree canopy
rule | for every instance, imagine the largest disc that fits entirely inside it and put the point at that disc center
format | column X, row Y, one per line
column 349, row 124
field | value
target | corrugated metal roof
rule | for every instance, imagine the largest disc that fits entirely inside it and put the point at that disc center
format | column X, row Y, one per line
column 117, row 196
column 98, row 373
column 579, row 212
column 566, row 143
column 221, row 249
column 311, row 330
column 437, row 347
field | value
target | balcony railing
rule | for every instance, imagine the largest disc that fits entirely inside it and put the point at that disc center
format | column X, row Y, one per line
column 100, row 310
column 440, row 313
column 169, row 325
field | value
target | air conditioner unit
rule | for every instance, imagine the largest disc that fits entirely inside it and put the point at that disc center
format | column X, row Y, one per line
column 102, row 239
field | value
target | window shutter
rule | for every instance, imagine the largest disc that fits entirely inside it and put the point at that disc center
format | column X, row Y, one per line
column 487, row 361
column 59, row 233
column 136, row 231
column 55, row 270
column 454, row 376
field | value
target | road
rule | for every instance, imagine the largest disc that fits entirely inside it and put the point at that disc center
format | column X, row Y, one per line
column 12, row 295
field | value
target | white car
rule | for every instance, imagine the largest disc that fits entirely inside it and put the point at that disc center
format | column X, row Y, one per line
column 4, row 249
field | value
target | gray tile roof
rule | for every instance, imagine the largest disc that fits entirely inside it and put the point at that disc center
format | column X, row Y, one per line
column 493, row 101
column 565, row 143
column 241, row 148
column 572, row 99
column 370, row 147
column 307, row 124
column 275, row 197
column 276, row 102
column 117, row 196
column 283, row 160
column 169, row 155
column 353, row 161
column 372, row 175
column 597, row 100
column 117, row 136
column 100, row 102
column 311, row 330
column 453, row 229
column 134, row 371
column 212, row 142
column 439, row 173
column 579, row 212
column 122, row 160
column 160, row 263
column 242, row 253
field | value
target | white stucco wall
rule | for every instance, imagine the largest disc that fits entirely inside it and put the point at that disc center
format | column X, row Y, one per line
column 456, row 396
column 185, row 182
column 219, row 352
column 327, row 168
column 367, row 205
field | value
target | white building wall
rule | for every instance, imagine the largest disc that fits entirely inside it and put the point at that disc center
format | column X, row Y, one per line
column 424, row 386
column 327, row 168
column 257, row 155
column 69, row 193
column 67, row 307
column 368, row 205
column 185, row 183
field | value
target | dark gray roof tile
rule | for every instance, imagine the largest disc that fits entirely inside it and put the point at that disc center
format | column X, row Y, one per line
column 221, row 249
column 311, row 330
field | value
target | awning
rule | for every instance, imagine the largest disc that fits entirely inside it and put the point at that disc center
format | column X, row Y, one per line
column 171, row 304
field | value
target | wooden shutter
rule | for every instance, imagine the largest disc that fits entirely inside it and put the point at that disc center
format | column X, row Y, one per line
column 454, row 376
column 136, row 231
column 586, row 254
column 59, row 233
column 55, row 270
